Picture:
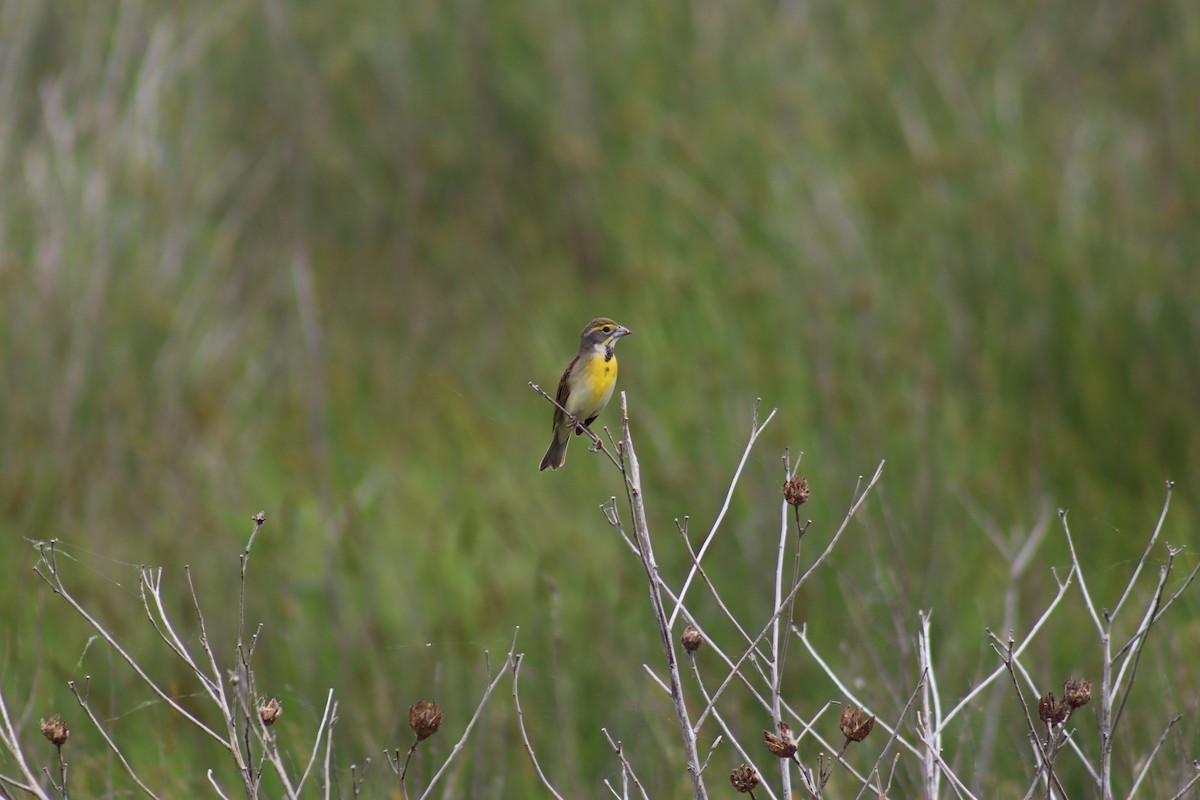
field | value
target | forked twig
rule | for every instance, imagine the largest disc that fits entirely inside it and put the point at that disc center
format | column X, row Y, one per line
column 626, row 767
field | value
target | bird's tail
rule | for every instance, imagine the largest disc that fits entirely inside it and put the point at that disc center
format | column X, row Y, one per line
column 556, row 453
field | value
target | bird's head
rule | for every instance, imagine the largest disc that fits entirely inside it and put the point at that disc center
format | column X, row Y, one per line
column 601, row 332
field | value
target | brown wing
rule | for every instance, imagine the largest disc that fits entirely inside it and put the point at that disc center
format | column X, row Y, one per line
column 564, row 389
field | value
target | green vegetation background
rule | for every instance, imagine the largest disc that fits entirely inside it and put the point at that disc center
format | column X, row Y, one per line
column 304, row 257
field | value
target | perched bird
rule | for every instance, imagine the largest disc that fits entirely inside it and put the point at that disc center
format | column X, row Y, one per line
column 586, row 386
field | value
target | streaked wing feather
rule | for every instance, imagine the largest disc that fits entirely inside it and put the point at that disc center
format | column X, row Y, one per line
column 564, row 389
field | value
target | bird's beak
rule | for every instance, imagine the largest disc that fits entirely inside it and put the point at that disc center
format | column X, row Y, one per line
column 621, row 331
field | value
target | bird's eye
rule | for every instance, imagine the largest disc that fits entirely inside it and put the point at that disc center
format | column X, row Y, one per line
column 608, row 328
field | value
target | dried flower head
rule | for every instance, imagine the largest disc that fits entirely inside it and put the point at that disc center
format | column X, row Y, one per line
column 1046, row 708
column 269, row 711
column 424, row 718
column 691, row 639
column 795, row 491
column 744, row 778
column 856, row 725
column 781, row 744
column 1077, row 692
column 1053, row 713
column 55, row 730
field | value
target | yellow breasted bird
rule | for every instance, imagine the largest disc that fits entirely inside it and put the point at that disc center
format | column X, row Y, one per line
column 586, row 386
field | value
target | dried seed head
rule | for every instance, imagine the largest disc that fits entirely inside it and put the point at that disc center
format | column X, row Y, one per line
column 691, row 639
column 269, row 711
column 744, row 778
column 55, row 730
column 424, row 718
column 1052, row 713
column 795, row 491
column 781, row 744
column 855, row 725
column 1077, row 692
column 1046, row 708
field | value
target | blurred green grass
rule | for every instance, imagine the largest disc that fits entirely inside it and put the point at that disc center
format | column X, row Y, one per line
column 963, row 241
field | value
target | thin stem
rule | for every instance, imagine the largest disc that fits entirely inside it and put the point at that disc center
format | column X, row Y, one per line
column 1029, row 637
column 626, row 767
column 729, row 734
column 637, row 509
column 51, row 576
column 861, row 498
column 1162, row 516
column 112, row 745
column 755, row 431
column 776, row 649
column 1087, row 596
column 458, row 746
column 516, row 673
column 12, row 743
column 1149, row 759
column 327, row 717
column 1043, row 748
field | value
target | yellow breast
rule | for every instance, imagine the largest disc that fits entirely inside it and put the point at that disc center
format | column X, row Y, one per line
column 592, row 385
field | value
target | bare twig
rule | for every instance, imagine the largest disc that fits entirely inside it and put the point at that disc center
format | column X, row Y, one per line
column 782, row 606
column 755, row 430
column 626, row 767
column 1032, row 686
column 112, row 745
column 327, row 718
column 1187, row 787
column 802, row 634
column 516, row 673
column 998, row 671
column 931, row 719
column 1162, row 517
column 912, row 698
column 1149, row 759
column 245, row 653
column 725, row 730
column 329, row 752
column 1115, row 688
column 216, row 786
column 1019, row 554
column 47, row 569
column 458, row 746
column 12, row 743
column 729, row 615
column 637, row 508
column 1044, row 749
column 778, row 647
column 1087, row 596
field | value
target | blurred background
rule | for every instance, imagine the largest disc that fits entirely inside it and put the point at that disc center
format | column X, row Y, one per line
column 305, row 258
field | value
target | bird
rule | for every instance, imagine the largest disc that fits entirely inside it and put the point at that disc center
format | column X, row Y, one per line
column 586, row 386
